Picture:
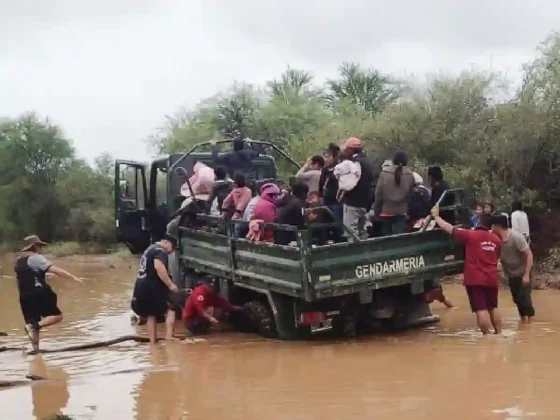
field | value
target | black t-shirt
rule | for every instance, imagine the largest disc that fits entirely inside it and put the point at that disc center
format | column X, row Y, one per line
column 148, row 280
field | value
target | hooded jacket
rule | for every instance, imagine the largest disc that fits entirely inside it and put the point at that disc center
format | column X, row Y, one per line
column 392, row 199
column 265, row 208
column 202, row 181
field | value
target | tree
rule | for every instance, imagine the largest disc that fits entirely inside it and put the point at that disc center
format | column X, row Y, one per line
column 45, row 190
column 367, row 89
column 292, row 86
column 34, row 155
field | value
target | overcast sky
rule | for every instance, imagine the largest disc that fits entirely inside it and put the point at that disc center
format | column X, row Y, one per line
column 109, row 70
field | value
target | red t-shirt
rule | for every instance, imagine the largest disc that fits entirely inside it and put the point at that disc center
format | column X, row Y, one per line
column 202, row 298
column 482, row 249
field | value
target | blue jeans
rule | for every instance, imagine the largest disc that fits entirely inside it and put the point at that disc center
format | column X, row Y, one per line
column 337, row 210
column 240, row 230
column 393, row 225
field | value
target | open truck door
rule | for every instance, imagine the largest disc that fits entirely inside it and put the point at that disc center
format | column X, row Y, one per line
column 131, row 214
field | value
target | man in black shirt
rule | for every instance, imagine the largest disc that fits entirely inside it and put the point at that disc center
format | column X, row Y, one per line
column 150, row 296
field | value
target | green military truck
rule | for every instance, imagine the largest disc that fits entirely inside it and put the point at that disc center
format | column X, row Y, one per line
column 292, row 291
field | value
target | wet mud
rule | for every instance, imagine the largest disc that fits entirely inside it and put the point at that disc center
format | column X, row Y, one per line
column 444, row 371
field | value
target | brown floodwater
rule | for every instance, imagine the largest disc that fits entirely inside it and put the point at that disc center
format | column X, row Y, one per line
column 445, row 371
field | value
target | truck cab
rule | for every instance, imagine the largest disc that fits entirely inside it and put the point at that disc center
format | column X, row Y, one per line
column 147, row 195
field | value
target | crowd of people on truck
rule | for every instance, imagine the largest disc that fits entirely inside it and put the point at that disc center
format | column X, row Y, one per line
column 342, row 180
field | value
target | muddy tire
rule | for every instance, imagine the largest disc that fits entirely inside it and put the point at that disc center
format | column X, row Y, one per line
column 260, row 318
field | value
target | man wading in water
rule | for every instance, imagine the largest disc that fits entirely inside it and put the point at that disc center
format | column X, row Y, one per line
column 482, row 251
column 37, row 300
column 150, row 296
column 517, row 261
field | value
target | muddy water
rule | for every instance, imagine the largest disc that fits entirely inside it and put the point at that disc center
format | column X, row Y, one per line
column 440, row 372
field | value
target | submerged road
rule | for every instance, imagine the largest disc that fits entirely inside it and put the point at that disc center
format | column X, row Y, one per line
column 445, row 371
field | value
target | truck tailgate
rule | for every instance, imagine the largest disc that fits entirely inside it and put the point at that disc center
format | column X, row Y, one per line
column 384, row 262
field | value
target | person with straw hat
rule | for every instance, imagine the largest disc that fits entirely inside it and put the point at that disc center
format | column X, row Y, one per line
column 37, row 300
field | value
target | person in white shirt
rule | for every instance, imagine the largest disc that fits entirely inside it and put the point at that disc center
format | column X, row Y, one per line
column 520, row 221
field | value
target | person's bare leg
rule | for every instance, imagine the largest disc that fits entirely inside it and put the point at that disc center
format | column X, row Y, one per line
column 483, row 321
column 33, row 329
column 50, row 320
column 151, row 325
column 446, row 302
column 170, row 324
column 496, row 320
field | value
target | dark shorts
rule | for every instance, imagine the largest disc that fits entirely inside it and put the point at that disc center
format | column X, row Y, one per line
column 154, row 304
column 37, row 306
column 482, row 298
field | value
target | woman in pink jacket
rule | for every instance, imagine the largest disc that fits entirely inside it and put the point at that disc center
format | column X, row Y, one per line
column 265, row 209
column 235, row 203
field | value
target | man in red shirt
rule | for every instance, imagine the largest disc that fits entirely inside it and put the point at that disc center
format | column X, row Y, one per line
column 482, row 252
column 204, row 308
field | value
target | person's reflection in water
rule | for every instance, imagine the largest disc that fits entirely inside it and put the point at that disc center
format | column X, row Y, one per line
column 50, row 396
column 160, row 394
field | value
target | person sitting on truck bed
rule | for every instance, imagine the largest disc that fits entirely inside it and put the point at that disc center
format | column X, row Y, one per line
column 240, row 160
column 205, row 307
column 237, row 200
column 290, row 212
column 265, row 209
column 220, row 190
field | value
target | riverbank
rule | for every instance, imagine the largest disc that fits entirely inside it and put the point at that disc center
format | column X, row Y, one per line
column 64, row 249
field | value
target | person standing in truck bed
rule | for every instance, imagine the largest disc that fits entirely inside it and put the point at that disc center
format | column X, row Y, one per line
column 482, row 252
column 37, row 300
column 310, row 173
column 239, row 160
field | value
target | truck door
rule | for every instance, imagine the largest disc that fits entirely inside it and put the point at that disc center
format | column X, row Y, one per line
column 131, row 215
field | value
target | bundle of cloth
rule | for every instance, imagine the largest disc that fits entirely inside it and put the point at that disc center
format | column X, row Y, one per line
column 348, row 174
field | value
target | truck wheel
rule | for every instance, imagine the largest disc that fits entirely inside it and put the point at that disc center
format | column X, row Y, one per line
column 346, row 325
column 261, row 318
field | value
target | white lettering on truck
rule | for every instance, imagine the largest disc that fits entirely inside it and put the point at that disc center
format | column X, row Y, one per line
column 391, row 266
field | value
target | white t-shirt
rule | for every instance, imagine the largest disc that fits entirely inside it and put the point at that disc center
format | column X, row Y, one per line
column 520, row 223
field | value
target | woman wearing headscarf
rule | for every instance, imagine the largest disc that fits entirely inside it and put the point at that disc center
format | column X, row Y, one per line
column 391, row 195
column 265, row 210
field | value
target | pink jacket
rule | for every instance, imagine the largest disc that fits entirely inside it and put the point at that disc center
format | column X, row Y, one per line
column 265, row 208
column 201, row 182
column 239, row 197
